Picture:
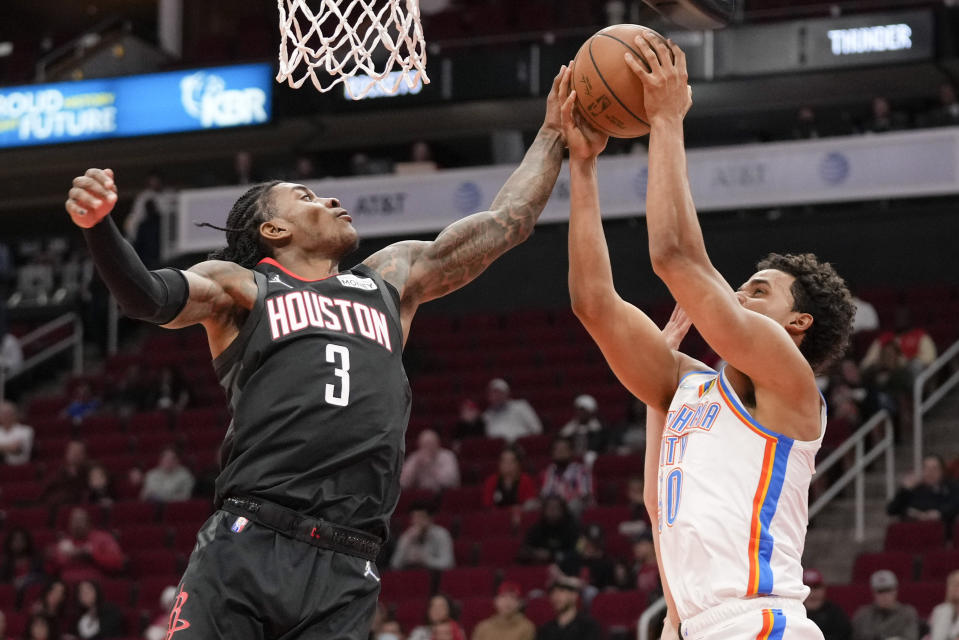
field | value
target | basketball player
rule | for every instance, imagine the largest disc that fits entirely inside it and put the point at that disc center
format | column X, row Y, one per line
column 739, row 444
column 310, row 355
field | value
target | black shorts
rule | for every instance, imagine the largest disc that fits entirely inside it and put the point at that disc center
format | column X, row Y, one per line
column 249, row 582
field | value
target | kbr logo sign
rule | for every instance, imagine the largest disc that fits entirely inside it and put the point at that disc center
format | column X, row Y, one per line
column 206, row 97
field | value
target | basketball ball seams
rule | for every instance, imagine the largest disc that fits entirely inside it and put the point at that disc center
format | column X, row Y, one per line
column 636, row 54
column 606, row 84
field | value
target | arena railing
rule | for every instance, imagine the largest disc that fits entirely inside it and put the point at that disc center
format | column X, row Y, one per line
column 74, row 340
column 882, row 423
column 651, row 612
column 920, row 406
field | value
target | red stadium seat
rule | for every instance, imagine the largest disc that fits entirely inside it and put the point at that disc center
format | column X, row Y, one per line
column 118, row 591
column 611, row 466
column 188, row 512
column 202, row 419
column 914, row 536
column 499, row 552
column 143, row 536
column 528, row 578
column 150, row 588
column 100, row 424
column 16, row 622
column 184, row 539
column 488, row 523
column 97, row 515
column 465, row 552
column 850, row 596
column 464, row 582
column 400, row 585
column 537, row 445
column 8, row 597
column 902, row 563
column 474, row 610
column 108, row 444
column 938, row 564
column 619, row 610
column 609, row 518
column 922, row 595
column 152, row 562
column 462, row 499
column 409, row 612
column 21, row 493
column 539, row 611
column 20, row 473
column 132, row 512
column 149, row 422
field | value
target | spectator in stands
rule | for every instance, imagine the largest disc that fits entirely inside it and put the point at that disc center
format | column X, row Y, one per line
column 884, row 118
column 389, row 630
column 153, row 210
column 82, row 404
column 644, row 566
column 424, row 544
column 172, row 392
column 944, row 620
column 888, row 378
column 630, row 437
column 98, row 619
column 805, row 128
column 304, row 169
column 69, row 484
column 946, row 113
column 589, row 561
column 169, row 481
column 886, row 617
column 639, row 521
column 52, row 604
column 243, row 168
column 430, row 467
column 41, row 627
column 99, row 486
column 11, row 354
column 566, row 478
column 553, row 536
column 506, row 417
column 440, row 617
column 508, row 623
column 16, row 438
column 929, row 497
column 509, row 486
column 131, row 393
column 570, row 623
column 159, row 627
column 866, row 318
column 20, row 565
column 471, row 423
column 828, row 616
column 85, row 553
column 585, row 430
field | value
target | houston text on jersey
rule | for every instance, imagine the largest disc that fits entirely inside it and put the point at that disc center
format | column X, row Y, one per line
column 298, row 310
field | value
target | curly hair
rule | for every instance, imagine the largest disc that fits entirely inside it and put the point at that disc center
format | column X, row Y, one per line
column 243, row 243
column 819, row 291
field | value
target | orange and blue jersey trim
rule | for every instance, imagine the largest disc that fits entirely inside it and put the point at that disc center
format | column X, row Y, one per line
column 766, row 499
column 774, row 625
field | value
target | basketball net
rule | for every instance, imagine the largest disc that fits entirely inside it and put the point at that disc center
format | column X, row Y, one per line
column 354, row 42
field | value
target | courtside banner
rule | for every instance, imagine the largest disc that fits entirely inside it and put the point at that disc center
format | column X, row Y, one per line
column 892, row 165
column 141, row 105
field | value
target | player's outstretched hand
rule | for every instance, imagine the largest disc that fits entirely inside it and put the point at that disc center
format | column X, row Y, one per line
column 554, row 102
column 583, row 140
column 92, row 197
column 675, row 330
column 666, row 90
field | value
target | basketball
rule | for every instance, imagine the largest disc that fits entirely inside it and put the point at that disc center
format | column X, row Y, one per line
column 608, row 93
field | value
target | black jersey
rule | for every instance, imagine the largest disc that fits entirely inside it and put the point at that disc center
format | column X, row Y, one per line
column 319, row 397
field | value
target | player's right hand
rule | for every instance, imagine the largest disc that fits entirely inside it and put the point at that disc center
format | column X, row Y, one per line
column 583, row 140
column 92, row 197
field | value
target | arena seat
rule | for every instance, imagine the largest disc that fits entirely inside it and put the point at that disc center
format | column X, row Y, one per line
column 465, row 552
column 922, row 595
column 474, row 610
column 97, row 514
column 612, row 466
column 192, row 512
column 463, row 582
column 21, row 493
column 539, row 611
column 528, row 578
column 119, row 591
column 8, row 597
column 849, row 596
column 499, row 552
column 939, row 563
column 902, row 563
column 410, row 583
column 619, row 610
column 143, row 536
column 914, row 536
column 149, row 588
column 151, row 562
column 462, row 499
column 487, row 523
column 16, row 622
column 145, row 422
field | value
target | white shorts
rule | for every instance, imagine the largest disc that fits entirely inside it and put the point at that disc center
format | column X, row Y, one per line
column 768, row 618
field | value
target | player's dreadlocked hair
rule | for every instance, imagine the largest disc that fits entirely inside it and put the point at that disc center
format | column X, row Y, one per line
column 243, row 244
column 819, row 291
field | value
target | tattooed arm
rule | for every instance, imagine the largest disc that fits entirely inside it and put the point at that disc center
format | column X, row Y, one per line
column 423, row 271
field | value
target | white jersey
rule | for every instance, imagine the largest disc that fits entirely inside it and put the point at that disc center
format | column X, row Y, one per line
column 733, row 499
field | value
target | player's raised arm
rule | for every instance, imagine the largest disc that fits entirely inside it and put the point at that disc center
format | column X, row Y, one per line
column 630, row 341
column 210, row 292
column 424, row 271
column 753, row 343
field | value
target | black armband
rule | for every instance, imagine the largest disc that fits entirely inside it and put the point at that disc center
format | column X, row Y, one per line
column 154, row 296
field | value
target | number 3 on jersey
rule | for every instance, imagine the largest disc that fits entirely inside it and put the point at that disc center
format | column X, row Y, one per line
column 340, row 356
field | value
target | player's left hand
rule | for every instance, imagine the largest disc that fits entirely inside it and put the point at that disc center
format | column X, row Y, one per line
column 666, row 90
column 583, row 140
column 554, row 103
